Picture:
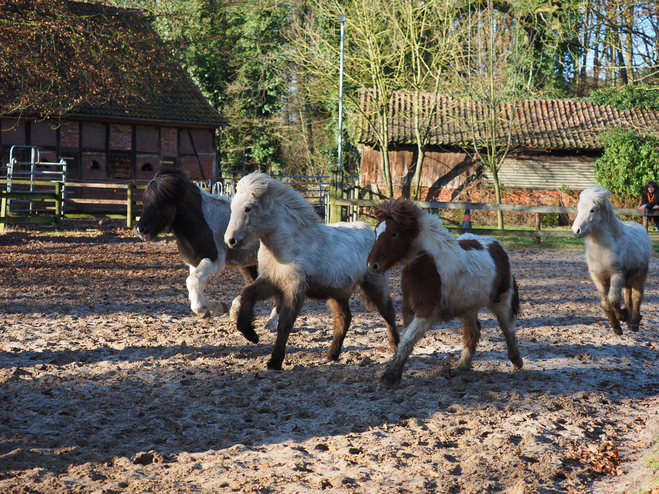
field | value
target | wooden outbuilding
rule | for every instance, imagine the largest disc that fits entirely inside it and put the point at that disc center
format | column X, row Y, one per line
column 554, row 143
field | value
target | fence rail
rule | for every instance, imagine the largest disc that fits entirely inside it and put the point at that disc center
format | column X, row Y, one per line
column 331, row 200
column 538, row 233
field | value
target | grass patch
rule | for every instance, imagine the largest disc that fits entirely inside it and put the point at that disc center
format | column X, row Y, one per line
column 526, row 243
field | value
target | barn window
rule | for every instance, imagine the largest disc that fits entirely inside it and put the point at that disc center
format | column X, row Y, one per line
column 94, row 165
column 147, row 167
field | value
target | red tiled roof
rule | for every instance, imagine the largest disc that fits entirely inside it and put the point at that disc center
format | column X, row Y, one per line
column 83, row 59
column 536, row 123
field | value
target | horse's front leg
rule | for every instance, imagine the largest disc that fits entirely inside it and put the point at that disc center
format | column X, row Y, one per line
column 196, row 284
column 615, row 297
column 394, row 370
column 376, row 290
column 504, row 313
column 289, row 308
column 603, row 291
column 261, row 289
column 250, row 274
column 342, row 318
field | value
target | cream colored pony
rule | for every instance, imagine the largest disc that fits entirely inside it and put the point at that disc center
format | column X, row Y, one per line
column 299, row 257
column 617, row 254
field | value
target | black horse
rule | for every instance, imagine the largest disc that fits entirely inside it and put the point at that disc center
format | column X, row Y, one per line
column 198, row 220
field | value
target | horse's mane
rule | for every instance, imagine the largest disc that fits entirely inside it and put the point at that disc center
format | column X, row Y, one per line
column 169, row 185
column 402, row 211
column 600, row 196
column 263, row 186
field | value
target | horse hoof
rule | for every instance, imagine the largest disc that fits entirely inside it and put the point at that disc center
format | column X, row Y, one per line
column 250, row 335
column 274, row 366
column 634, row 328
column 390, row 379
column 219, row 308
column 332, row 357
column 617, row 331
column 204, row 315
column 518, row 364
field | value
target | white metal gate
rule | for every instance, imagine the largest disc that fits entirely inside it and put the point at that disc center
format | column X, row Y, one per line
column 20, row 171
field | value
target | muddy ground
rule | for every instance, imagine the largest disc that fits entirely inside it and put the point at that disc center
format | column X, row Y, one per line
column 109, row 384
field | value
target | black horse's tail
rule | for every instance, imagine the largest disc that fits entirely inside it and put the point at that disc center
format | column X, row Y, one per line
column 514, row 302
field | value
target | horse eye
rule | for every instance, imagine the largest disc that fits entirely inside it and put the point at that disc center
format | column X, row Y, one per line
column 248, row 209
column 393, row 234
column 592, row 210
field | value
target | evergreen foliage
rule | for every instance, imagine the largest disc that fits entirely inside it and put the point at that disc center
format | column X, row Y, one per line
column 629, row 162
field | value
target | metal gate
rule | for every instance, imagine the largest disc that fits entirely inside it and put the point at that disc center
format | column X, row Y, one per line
column 20, row 172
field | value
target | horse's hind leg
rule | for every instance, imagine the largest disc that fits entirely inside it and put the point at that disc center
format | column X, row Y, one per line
column 376, row 292
column 506, row 319
column 635, row 291
column 342, row 318
column 471, row 334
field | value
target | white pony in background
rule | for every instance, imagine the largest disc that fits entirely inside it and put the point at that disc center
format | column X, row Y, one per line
column 617, row 254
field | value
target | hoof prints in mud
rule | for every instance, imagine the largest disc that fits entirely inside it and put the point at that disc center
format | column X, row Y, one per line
column 109, row 383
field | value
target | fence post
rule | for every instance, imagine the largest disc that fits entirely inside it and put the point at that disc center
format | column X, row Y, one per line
column 3, row 212
column 129, row 206
column 58, row 206
column 336, row 192
column 538, row 224
column 645, row 219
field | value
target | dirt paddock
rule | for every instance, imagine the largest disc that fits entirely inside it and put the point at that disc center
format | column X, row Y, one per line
column 109, row 384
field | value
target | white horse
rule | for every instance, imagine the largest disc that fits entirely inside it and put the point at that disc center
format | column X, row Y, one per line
column 617, row 254
column 299, row 257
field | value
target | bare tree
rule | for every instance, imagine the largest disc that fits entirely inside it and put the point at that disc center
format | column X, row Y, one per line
column 492, row 70
column 372, row 62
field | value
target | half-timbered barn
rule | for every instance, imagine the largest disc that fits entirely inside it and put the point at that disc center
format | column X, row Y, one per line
column 96, row 86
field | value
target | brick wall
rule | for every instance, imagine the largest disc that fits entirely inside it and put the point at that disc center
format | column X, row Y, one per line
column 121, row 137
column 168, row 141
column 69, row 134
column 43, row 134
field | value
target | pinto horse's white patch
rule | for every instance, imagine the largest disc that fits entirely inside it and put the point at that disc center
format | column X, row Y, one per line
column 382, row 226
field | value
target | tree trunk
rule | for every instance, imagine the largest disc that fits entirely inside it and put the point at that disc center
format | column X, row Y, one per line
column 421, row 151
column 384, row 156
column 497, row 195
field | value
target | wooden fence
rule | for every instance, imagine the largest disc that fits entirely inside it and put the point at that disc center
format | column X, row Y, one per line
column 57, row 198
column 336, row 204
column 538, row 233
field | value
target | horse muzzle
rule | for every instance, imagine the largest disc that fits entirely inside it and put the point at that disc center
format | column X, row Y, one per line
column 234, row 243
column 374, row 268
column 142, row 234
column 577, row 232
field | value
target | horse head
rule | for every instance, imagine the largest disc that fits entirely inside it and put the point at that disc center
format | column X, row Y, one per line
column 162, row 197
column 247, row 210
column 397, row 227
column 594, row 211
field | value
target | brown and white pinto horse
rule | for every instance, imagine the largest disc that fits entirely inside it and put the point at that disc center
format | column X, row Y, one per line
column 443, row 278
